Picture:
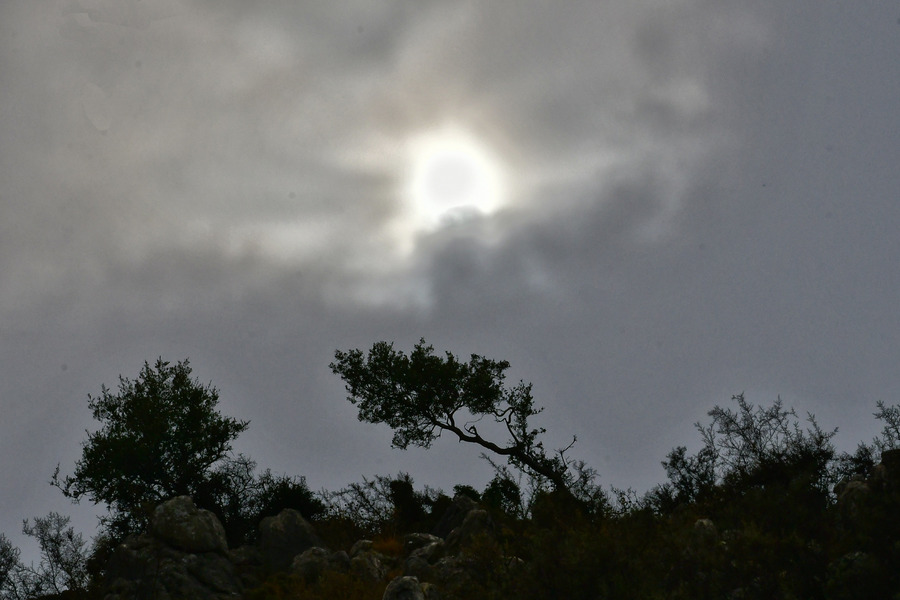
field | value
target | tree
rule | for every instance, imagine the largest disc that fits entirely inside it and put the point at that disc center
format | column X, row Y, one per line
column 749, row 451
column 423, row 395
column 161, row 437
column 241, row 498
column 63, row 564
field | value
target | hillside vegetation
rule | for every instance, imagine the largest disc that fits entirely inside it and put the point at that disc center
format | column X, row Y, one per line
column 767, row 507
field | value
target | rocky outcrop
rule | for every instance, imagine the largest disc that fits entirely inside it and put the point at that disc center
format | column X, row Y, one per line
column 180, row 524
column 455, row 515
column 184, row 555
column 283, row 537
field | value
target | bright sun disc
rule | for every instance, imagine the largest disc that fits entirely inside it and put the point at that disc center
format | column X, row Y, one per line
column 452, row 176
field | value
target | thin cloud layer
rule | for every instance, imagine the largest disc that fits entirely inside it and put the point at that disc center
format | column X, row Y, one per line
column 276, row 135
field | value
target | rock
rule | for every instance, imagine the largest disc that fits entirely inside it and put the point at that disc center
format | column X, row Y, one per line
column 450, row 570
column 404, row 588
column 414, row 541
column 477, row 523
column 311, row 563
column 368, row 565
column 129, row 559
column 360, row 546
column 416, row 566
column 145, row 567
column 339, row 561
column 430, row 591
column 182, row 525
column 851, row 498
column 213, row 572
column 283, row 537
column 455, row 515
column 705, row 531
column 431, row 552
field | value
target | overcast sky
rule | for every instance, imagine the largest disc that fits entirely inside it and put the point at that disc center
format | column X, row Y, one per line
column 689, row 200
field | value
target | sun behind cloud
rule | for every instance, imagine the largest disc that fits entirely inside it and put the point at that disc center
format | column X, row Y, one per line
column 451, row 176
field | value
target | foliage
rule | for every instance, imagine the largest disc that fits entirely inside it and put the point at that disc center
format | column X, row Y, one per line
column 62, row 566
column 385, row 504
column 752, row 447
column 9, row 564
column 241, row 498
column 753, row 513
column 861, row 462
column 422, row 395
column 161, row 436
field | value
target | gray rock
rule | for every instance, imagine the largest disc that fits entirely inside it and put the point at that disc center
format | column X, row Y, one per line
column 414, row 541
column 404, row 588
column 162, row 573
column 311, row 563
column 416, row 566
column 852, row 497
column 454, row 516
column 360, row 546
column 431, row 552
column 368, row 565
column 213, row 572
column 705, row 531
column 283, row 537
column 184, row 556
column 182, row 525
column 431, row 591
column 477, row 523
column 339, row 561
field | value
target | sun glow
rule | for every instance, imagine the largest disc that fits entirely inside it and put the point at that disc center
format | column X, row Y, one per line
column 452, row 177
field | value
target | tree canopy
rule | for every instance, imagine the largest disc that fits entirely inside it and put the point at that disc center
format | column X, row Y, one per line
column 160, row 437
column 423, row 394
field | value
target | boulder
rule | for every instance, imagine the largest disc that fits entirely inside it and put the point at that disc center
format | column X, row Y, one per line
column 310, row 564
column 339, row 561
column 477, row 523
column 404, row 588
column 431, row 552
column 705, row 531
column 368, row 565
column 414, row 541
column 283, row 537
column 430, row 591
column 146, row 567
column 454, row 515
column 180, row 524
column 361, row 546
column 417, row 566
column 852, row 497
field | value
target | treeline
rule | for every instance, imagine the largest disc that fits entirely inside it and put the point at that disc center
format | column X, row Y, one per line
column 766, row 508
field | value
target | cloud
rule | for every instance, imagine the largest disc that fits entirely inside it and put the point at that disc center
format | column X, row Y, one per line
column 278, row 134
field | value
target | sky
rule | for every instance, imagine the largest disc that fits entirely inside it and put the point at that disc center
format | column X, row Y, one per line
column 645, row 206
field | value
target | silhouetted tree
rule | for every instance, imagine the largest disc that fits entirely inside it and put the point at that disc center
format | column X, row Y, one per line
column 423, row 395
column 62, row 566
column 161, row 437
